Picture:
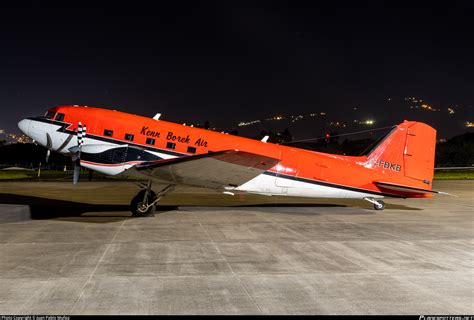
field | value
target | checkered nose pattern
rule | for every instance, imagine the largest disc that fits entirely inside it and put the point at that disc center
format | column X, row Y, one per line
column 81, row 133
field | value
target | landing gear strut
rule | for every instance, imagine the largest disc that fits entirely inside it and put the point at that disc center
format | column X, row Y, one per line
column 378, row 204
column 144, row 203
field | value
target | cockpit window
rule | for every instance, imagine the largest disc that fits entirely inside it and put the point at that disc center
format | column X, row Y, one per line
column 50, row 114
column 59, row 117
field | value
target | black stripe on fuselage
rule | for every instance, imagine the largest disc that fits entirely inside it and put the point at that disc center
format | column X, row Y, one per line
column 64, row 126
column 120, row 155
column 65, row 143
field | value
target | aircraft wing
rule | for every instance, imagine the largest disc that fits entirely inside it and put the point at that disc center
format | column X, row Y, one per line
column 215, row 170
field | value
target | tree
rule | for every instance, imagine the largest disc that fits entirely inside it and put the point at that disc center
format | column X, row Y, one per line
column 456, row 152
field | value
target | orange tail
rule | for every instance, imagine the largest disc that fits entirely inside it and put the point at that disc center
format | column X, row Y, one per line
column 406, row 157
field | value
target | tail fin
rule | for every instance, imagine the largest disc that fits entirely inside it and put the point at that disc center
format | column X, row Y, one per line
column 406, row 155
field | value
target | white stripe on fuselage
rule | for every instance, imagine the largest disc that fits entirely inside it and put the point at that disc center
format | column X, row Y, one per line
column 59, row 138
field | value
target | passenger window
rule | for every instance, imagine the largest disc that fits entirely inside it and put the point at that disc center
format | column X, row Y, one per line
column 108, row 133
column 191, row 150
column 150, row 141
column 129, row 136
column 171, row 145
column 59, row 117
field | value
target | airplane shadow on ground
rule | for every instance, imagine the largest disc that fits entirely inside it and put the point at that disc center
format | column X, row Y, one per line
column 332, row 205
column 295, row 209
column 46, row 208
column 289, row 208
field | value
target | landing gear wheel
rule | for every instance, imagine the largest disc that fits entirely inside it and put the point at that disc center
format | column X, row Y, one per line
column 139, row 209
column 380, row 205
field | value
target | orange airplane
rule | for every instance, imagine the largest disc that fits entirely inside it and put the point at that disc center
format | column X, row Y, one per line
column 171, row 154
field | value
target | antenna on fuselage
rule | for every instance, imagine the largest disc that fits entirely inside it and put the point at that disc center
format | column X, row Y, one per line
column 157, row 116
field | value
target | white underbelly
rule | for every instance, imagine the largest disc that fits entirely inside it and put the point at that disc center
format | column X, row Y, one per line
column 266, row 184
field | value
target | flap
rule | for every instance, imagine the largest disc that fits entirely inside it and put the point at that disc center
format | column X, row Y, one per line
column 212, row 170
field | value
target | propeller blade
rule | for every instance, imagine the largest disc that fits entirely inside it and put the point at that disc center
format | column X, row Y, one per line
column 49, row 141
column 77, row 171
column 81, row 134
column 49, row 145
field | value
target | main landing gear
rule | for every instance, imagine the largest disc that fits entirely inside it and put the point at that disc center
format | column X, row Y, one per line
column 378, row 204
column 144, row 203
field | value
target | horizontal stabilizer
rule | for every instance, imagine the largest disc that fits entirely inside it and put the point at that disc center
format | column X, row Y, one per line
column 402, row 188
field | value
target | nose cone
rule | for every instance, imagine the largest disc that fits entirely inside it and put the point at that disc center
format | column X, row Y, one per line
column 24, row 126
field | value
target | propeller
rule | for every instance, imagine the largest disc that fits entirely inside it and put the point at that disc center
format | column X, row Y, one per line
column 49, row 146
column 77, row 170
column 81, row 134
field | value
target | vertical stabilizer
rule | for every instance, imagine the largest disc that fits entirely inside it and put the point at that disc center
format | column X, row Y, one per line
column 406, row 155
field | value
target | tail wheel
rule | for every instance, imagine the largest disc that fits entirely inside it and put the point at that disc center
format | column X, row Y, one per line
column 140, row 209
column 380, row 205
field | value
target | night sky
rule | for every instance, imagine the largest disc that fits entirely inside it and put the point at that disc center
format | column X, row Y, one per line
column 231, row 61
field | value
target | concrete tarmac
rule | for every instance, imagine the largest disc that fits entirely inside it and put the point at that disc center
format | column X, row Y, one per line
column 75, row 250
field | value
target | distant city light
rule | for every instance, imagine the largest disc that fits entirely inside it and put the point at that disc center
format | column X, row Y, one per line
column 337, row 124
column 276, row 118
column 9, row 138
column 413, row 103
column 365, row 122
column 428, row 107
column 469, row 124
column 243, row 124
